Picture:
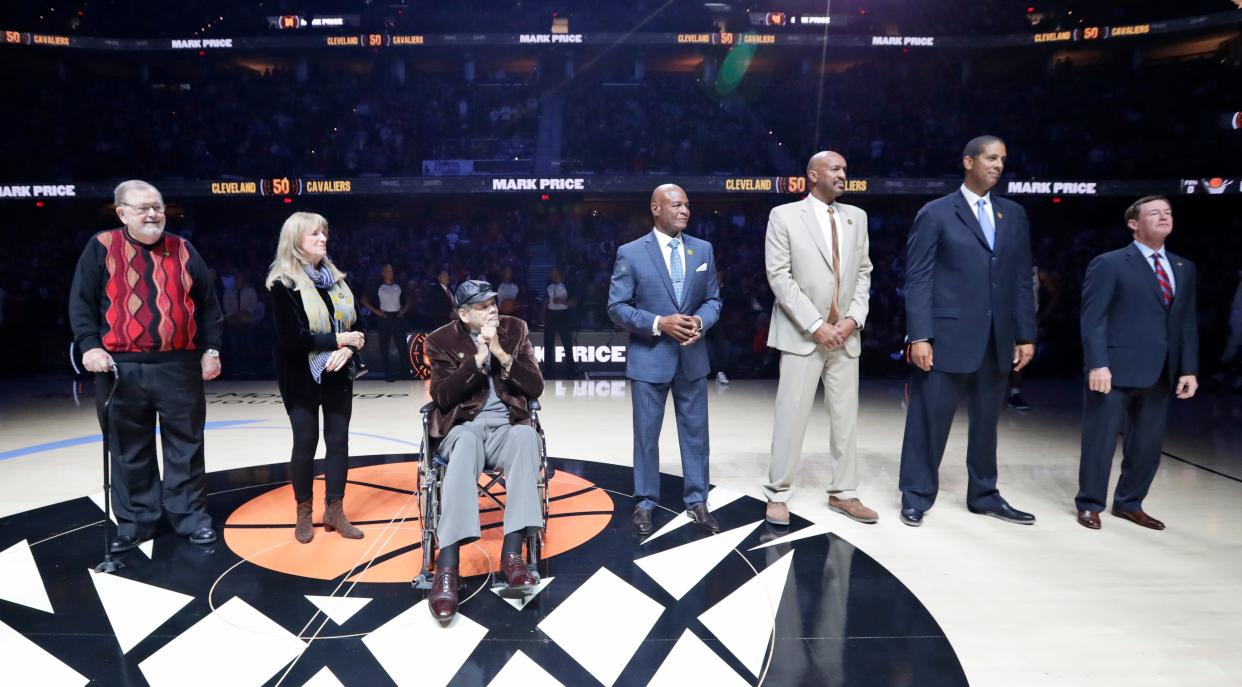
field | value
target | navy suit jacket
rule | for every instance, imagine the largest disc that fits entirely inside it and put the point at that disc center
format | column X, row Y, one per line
column 1125, row 326
column 958, row 291
column 642, row 289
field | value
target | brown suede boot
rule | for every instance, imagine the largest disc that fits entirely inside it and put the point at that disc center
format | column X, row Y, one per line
column 334, row 519
column 304, row 531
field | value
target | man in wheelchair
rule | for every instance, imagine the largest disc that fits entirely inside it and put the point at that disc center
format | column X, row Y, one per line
column 483, row 370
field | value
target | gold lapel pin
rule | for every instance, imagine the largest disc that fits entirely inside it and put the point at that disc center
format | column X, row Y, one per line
column 689, row 251
column 1000, row 215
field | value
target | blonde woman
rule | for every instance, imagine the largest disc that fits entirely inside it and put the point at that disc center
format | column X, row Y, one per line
column 314, row 314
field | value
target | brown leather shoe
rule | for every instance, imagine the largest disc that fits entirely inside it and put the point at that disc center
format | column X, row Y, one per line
column 1089, row 519
column 518, row 575
column 304, row 530
column 852, row 509
column 1138, row 517
column 443, row 597
column 777, row 513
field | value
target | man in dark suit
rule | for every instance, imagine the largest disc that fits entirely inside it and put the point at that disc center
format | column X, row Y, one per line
column 970, row 318
column 483, row 370
column 1139, row 341
column 664, row 292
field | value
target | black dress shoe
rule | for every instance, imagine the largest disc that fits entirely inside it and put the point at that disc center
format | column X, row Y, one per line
column 642, row 521
column 1007, row 513
column 703, row 517
column 912, row 516
column 124, row 543
column 203, row 536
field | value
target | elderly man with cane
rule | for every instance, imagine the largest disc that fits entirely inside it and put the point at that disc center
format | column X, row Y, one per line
column 141, row 304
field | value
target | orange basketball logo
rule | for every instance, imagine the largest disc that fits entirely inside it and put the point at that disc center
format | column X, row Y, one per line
column 381, row 501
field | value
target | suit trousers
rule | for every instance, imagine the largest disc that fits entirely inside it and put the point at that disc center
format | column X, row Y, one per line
column 171, row 391
column 488, row 442
column 1141, row 413
column 558, row 325
column 690, row 407
column 933, row 403
column 795, row 396
column 392, row 331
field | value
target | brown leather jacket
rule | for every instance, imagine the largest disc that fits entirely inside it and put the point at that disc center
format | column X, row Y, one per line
column 459, row 387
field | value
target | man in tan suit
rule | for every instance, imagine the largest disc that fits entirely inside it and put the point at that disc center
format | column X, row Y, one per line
column 820, row 271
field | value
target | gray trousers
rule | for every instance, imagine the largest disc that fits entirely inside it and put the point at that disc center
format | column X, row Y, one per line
column 471, row 447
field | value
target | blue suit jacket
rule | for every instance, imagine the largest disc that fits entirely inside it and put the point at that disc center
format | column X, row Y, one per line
column 958, row 291
column 641, row 290
column 1125, row 326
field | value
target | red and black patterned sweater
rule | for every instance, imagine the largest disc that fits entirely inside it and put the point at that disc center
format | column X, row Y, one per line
column 143, row 303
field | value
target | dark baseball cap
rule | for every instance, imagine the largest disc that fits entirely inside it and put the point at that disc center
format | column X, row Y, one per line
column 473, row 291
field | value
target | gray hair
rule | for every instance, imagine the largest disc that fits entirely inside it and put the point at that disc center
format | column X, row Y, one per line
column 122, row 189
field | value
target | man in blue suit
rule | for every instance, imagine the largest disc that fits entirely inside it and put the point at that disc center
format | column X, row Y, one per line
column 664, row 292
column 1140, row 340
column 970, row 318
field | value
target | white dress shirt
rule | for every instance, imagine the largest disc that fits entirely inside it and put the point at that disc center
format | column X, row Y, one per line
column 664, row 239
column 1164, row 263
column 820, row 209
column 973, row 201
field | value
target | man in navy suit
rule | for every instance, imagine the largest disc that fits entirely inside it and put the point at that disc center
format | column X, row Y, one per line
column 970, row 318
column 1140, row 340
column 664, row 292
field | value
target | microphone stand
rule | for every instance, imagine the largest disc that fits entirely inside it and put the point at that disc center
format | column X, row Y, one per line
column 108, row 565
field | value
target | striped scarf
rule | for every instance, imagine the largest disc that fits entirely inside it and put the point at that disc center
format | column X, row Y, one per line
column 317, row 316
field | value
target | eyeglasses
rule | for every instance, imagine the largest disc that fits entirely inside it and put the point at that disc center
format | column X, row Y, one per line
column 144, row 209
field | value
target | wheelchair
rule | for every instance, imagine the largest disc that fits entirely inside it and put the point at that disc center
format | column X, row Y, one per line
column 431, row 474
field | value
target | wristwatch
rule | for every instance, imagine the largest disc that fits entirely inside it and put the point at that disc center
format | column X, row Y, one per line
column 212, row 352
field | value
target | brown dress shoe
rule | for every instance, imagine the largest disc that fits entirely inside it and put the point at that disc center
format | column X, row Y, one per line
column 518, row 575
column 852, row 509
column 777, row 513
column 1138, row 517
column 1089, row 519
column 304, row 530
column 334, row 520
column 443, row 597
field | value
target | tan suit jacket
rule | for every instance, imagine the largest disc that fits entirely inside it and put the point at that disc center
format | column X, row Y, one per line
column 799, row 267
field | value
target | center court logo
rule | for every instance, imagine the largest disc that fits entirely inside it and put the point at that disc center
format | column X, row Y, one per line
column 381, row 497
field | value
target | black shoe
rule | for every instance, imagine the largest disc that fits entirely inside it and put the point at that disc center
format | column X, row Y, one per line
column 912, row 516
column 1007, row 513
column 703, row 517
column 124, row 543
column 1018, row 403
column 203, row 535
column 642, row 521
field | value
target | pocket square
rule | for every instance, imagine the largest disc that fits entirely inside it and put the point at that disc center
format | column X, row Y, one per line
column 702, row 268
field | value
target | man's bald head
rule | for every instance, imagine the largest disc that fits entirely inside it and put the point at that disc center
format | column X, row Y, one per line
column 670, row 209
column 826, row 175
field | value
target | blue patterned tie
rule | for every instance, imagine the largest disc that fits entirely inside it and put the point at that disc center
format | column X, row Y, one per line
column 985, row 222
column 676, row 270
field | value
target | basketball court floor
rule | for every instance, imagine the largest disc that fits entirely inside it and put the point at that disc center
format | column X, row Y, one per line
column 964, row 599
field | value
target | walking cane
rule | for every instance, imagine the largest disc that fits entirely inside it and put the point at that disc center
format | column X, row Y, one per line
column 108, row 565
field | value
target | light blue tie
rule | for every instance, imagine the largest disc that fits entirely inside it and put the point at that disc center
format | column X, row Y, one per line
column 675, row 269
column 985, row 222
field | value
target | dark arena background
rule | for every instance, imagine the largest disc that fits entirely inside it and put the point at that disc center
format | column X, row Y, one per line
column 520, row 143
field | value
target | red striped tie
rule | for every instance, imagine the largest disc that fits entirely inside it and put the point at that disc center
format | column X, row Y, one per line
column 1166, row 289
